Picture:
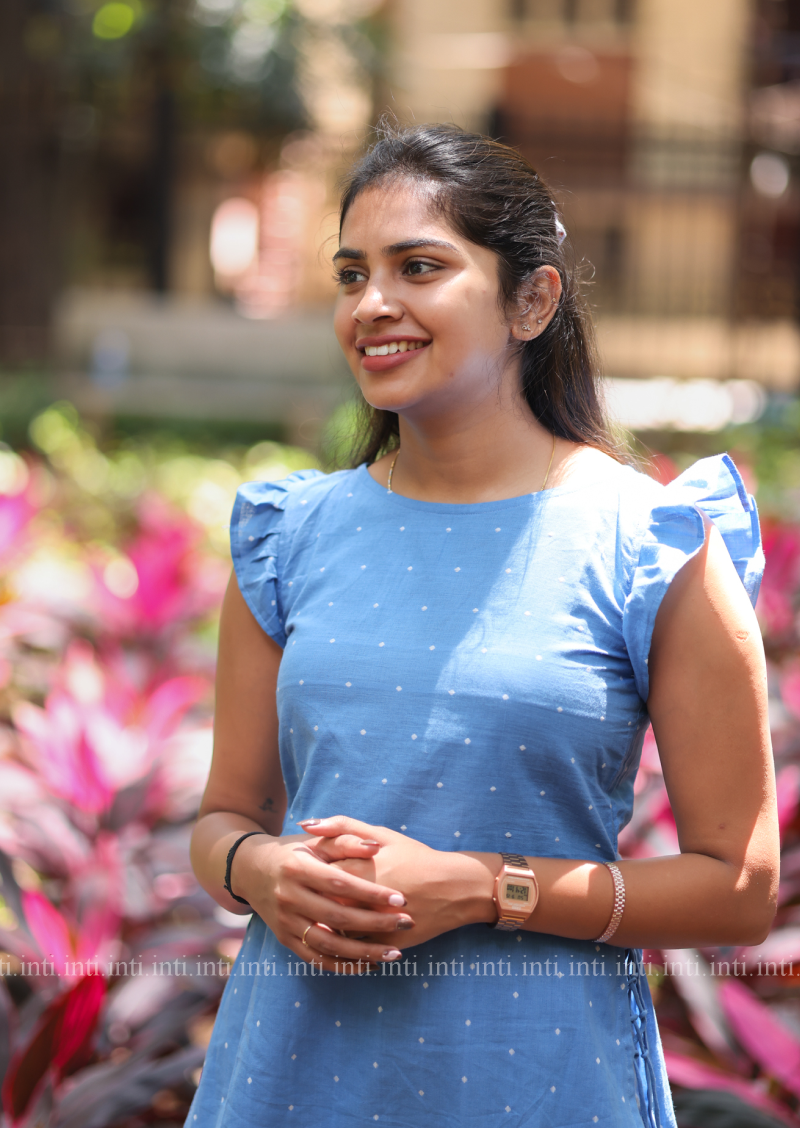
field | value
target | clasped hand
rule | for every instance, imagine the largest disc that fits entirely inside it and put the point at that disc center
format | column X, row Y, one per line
column 333, row 897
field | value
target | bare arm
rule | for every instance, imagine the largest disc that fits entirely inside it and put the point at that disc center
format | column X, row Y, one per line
column 280, row 877
column 708, row 705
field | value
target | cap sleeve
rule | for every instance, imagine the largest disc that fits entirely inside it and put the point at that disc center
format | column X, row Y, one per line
column 674, row 533
column 257, row 543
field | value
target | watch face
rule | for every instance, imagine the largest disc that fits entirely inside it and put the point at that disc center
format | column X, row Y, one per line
column 517, row 894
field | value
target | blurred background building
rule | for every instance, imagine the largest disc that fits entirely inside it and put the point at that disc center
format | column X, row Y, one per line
column 169, row 168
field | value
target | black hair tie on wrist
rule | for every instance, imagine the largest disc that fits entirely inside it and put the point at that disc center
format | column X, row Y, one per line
column 229, row 863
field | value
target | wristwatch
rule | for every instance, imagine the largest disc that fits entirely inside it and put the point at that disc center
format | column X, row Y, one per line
column 515, row 892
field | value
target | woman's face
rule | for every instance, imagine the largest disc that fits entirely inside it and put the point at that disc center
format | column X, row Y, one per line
column 421, row 297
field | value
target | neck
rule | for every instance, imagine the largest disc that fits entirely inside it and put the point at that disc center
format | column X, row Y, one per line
column 487, row 452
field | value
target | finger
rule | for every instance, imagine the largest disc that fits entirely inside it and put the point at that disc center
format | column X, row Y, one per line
column 340, row 824
column 361, row 889
column 403, row 924
column 344, row 846
column 345, row 915
column 358, row 867
column 306, row 869
column 331, row 945
column 347, row 918
column 345, row 959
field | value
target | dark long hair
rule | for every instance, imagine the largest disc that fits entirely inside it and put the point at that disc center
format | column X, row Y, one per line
column 490, row 194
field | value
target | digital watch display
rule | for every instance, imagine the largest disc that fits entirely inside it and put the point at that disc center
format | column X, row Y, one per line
column 515, row 892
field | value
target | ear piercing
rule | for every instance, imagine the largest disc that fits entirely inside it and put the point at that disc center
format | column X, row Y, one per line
column 527, row 328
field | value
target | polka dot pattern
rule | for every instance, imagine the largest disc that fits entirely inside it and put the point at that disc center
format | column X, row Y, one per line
column 483, row 667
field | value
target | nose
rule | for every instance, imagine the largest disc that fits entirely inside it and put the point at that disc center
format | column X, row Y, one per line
column 375, row 305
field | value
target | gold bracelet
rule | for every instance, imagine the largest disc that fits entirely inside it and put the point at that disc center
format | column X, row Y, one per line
column 619, row 903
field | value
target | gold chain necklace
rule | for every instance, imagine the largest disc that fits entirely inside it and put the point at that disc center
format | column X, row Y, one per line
column 544, row 483
column 391, row 471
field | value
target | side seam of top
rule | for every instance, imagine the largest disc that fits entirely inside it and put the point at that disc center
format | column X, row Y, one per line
column 675, row 532
column 257, row 531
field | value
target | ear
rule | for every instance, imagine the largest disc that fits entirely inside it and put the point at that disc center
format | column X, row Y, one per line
column 537, row 303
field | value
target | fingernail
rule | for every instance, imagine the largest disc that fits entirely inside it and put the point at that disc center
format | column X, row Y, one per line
column 397, row 899
column 308, row 822
column 369, row 842
column 392, row 954
column 404, row 925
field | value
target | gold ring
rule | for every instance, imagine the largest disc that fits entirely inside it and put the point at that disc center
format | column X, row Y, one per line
column 305, row 934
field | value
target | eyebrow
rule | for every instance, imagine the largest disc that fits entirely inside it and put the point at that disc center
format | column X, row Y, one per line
column 395, row 248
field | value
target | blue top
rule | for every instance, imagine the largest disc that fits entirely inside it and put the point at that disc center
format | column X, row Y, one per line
column 474, row 676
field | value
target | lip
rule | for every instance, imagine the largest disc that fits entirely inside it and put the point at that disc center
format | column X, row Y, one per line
column 382, row 363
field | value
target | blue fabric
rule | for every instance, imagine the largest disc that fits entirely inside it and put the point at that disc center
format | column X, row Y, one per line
column 475, row 676
column 675, row 532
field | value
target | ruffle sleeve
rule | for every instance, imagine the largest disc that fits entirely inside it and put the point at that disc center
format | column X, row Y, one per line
column 257, row 541
column 675, row 532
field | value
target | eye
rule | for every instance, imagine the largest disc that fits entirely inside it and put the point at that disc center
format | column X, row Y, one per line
column 348, row 276
column 417, row 269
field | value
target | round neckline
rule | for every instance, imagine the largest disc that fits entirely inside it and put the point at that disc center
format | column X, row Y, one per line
column 471, row 506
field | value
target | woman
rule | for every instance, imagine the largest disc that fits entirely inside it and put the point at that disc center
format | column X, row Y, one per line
column 436, row 671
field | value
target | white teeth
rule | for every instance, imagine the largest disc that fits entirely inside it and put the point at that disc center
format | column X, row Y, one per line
column 394, row 347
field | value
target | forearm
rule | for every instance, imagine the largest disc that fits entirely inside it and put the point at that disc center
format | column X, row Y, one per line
column 212, row 838
column 674, row 902
column 689, row 899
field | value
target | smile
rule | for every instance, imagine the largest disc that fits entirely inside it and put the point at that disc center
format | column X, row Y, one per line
column 394, row 347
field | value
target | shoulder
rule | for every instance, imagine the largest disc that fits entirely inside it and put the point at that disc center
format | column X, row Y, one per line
column 675, row 524
column 610, row 495
column 587, row 464
column 268, row 516
column 285, row 493
column 618, row 483
column 271, row 522
column 294, row 498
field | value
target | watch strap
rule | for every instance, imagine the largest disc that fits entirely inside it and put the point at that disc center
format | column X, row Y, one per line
column 515, row 860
